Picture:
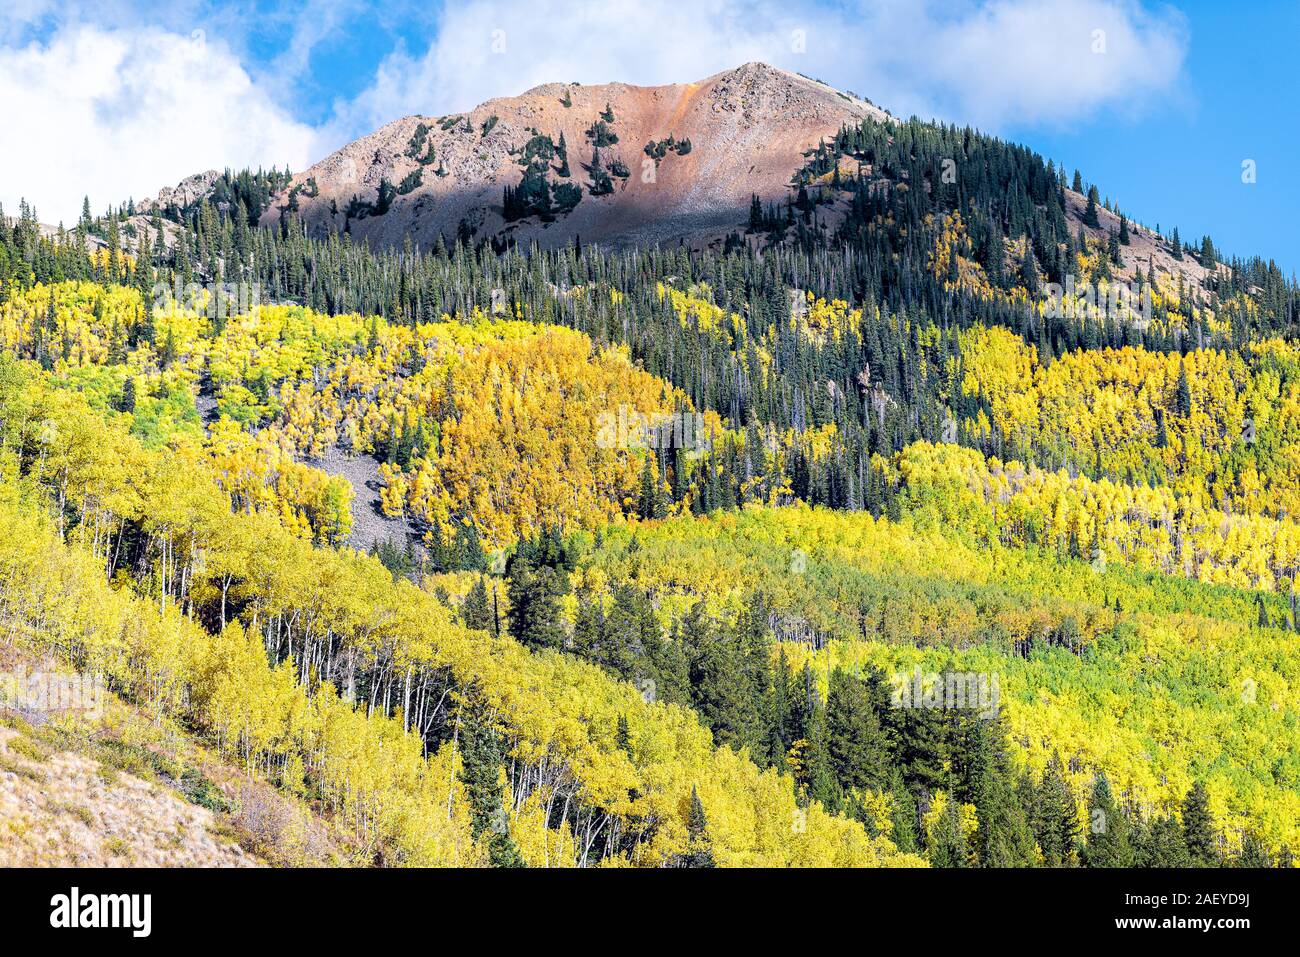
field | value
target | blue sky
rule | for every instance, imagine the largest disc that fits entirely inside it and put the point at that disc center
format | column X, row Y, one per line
column 1180, row 164
column 1159, row 104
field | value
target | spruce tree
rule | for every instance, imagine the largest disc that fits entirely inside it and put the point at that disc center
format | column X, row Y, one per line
column 902, row 813
column 1253, row 852
column 1198, row 828
column 562, row 151
column 1208, row 258
column 699, row 851
column 623, row 736
column 859, row 751
column 126, row 403
column 948, row 845
column 1057, row 824
column 1004, row 836
column 1184, row 400
column 481, row 773
column 650, row 504
column 1160, row 843
column 1108, row 829
column 534, row 589
column 476, row 612
column 721, row 689
column 818, row 776
column 1090, row 212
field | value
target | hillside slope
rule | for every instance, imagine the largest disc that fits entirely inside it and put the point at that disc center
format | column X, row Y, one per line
column 95, row 781
column 676, row 163
column 63, row 809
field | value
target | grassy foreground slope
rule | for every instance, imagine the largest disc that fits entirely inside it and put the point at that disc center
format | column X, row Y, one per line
column 99, row 782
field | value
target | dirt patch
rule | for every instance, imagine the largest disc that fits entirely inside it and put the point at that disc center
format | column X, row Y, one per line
column 206, row 401
column 369, row 524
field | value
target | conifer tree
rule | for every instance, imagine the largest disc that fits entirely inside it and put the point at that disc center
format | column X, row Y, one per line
column 534, row 590
column 1160, row 843
column 1057, row 824
column 700, row 849
column 1004, row 835
column 1253, row 852
column 1184, row 399
column 902, row 813
column 562, row 151
column 1108, row 828
column 1090, row 212
column 948, row 845
column 856, row 742
column 476, row 612
column 1208, row 258
column 1198, row 828
column 482, row 775
column 126, row 403
column 650, row 504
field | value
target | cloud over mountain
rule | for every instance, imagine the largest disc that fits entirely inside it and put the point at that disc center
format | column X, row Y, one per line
column 118, row 110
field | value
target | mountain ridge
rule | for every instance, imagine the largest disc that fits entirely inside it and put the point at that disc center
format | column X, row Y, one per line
column 748, row 130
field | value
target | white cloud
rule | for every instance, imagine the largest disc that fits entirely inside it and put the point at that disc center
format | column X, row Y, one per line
column 493, row 48
column 119, row 112
column 1035, row 61
column 116, row 114
column 989, row 63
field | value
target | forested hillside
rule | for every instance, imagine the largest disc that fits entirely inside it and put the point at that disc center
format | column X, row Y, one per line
column 702, row 541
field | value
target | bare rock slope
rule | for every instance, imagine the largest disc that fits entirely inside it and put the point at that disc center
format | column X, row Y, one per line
column 747, row 128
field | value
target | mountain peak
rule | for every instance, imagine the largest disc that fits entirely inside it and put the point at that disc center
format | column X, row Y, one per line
column 676, row 162
column 756, row 68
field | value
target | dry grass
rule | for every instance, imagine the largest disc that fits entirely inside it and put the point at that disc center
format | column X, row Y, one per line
column 63, row 813
column 123, row 787
column 280, row 830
